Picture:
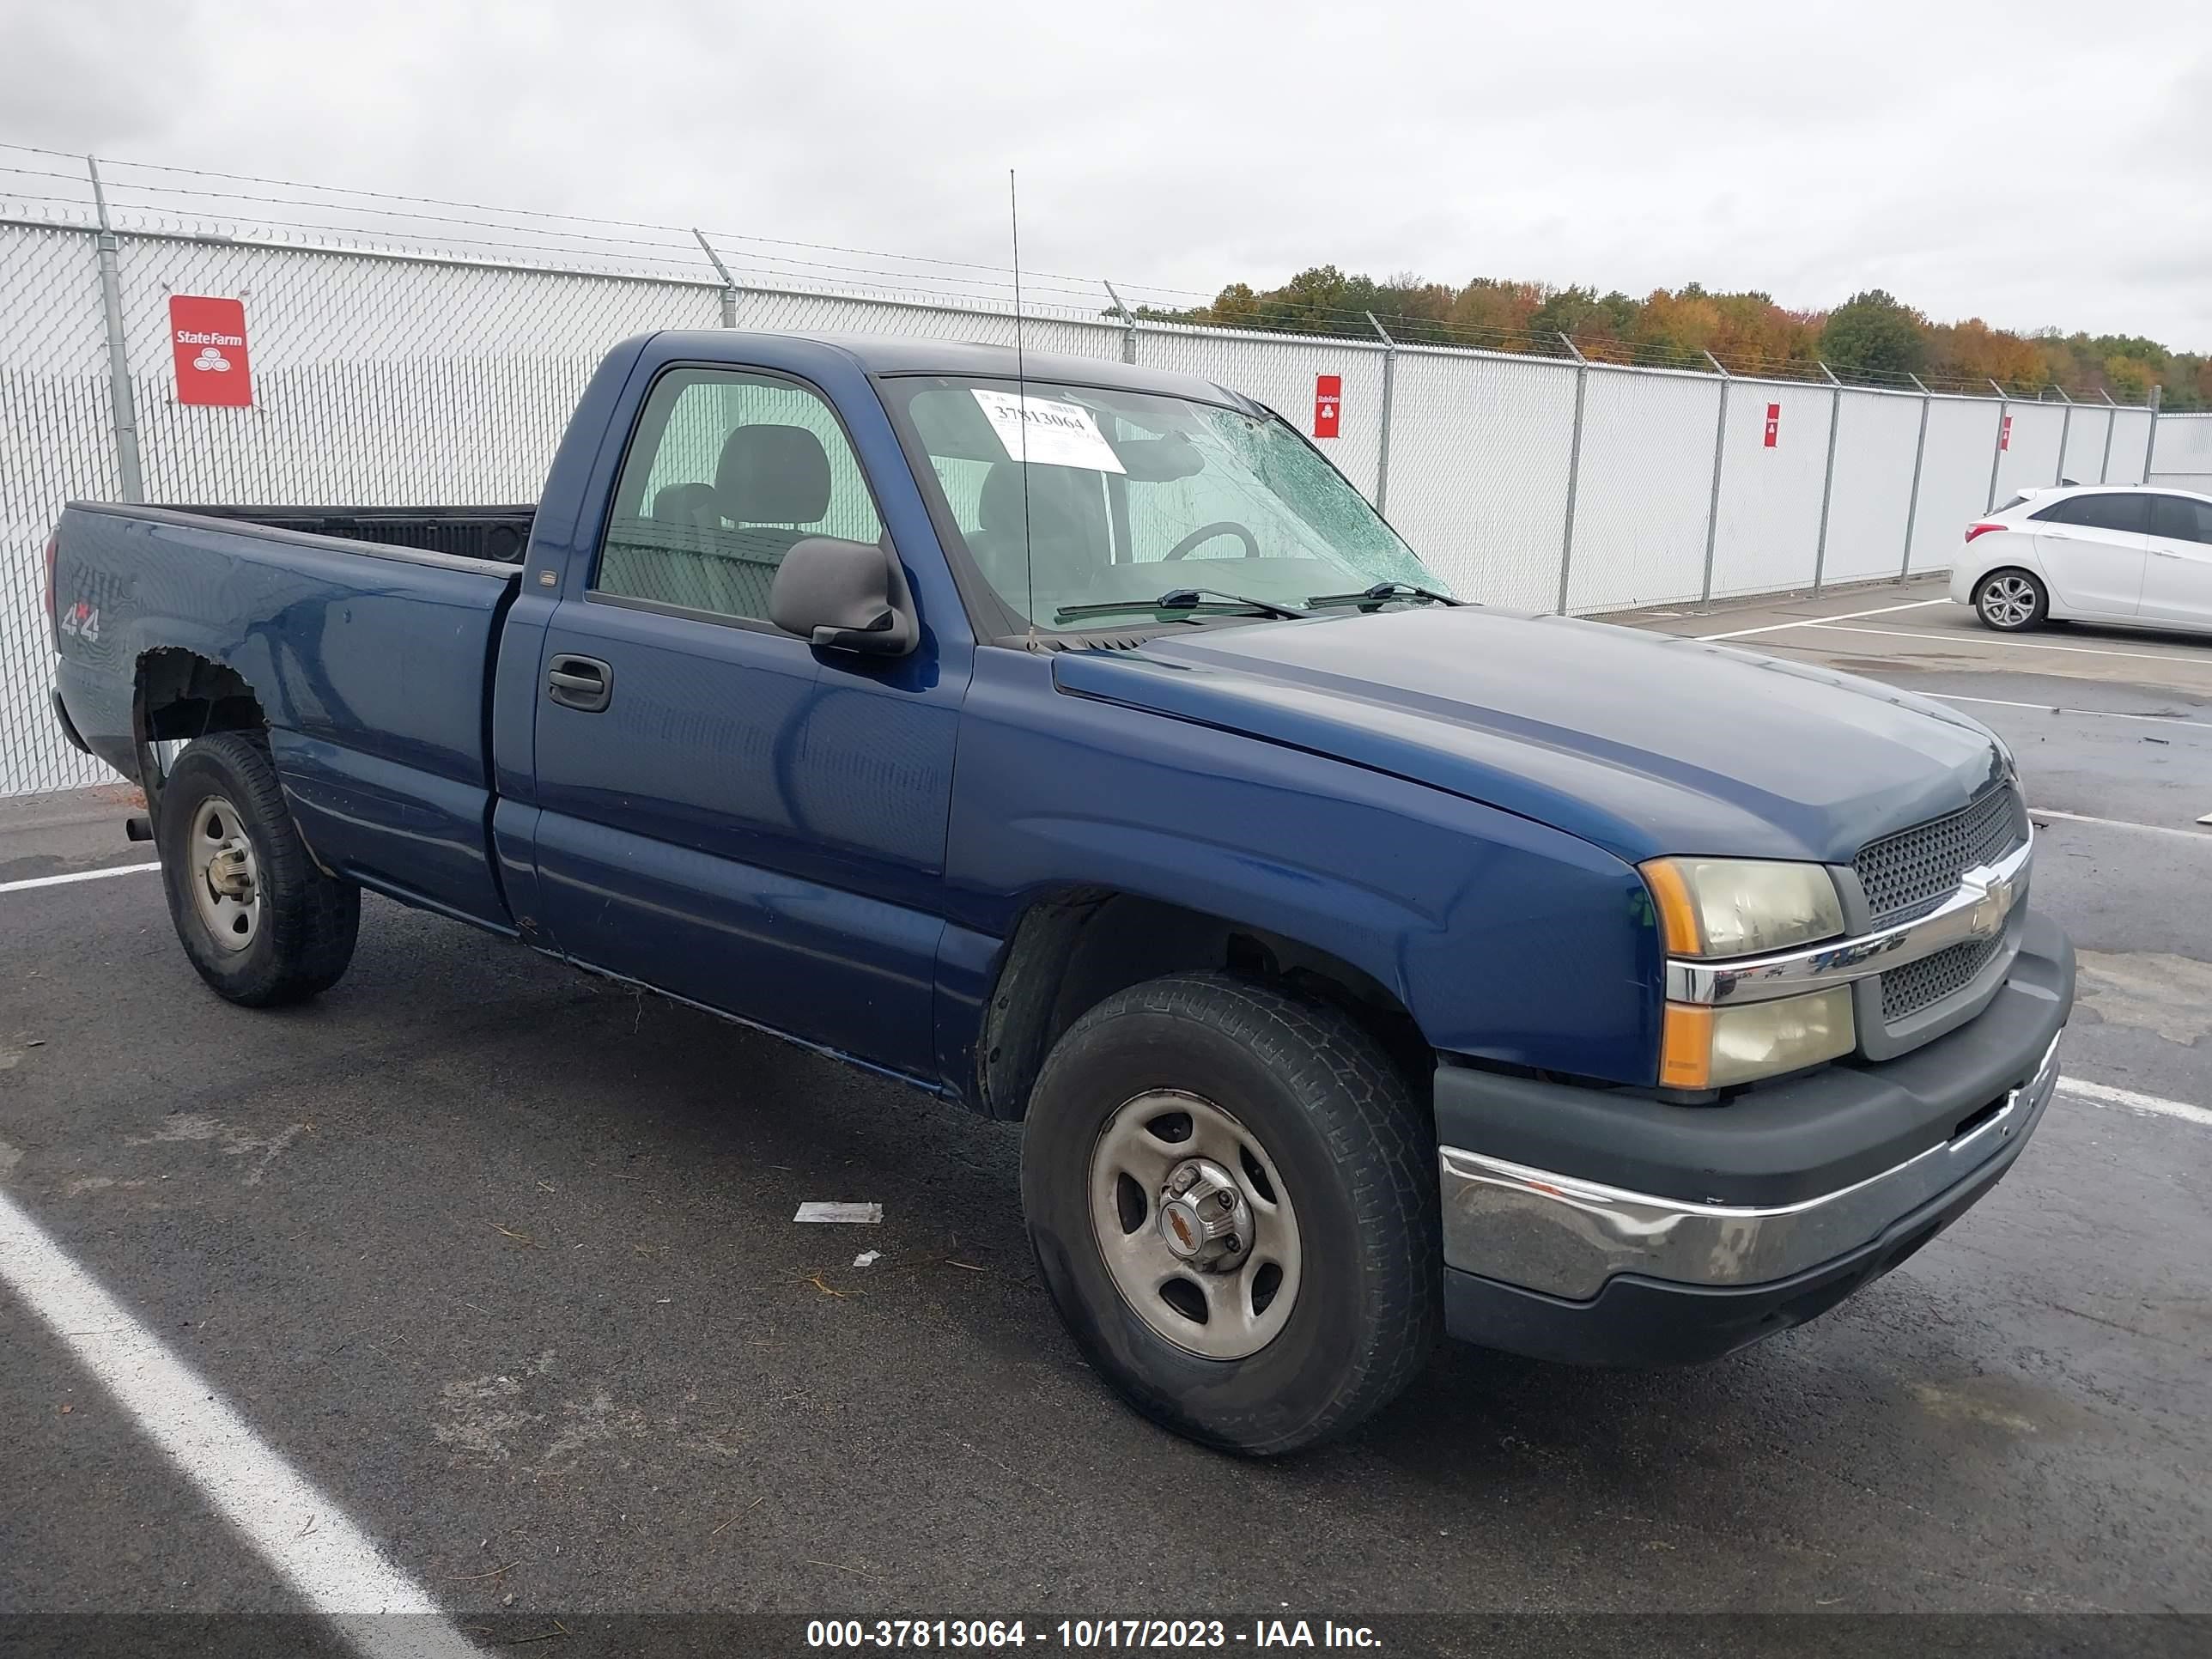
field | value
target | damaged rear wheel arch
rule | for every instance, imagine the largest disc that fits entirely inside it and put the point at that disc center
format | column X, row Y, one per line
column 178, row 696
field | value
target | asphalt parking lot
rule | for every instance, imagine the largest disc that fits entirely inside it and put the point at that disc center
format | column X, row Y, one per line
column 502, row 1262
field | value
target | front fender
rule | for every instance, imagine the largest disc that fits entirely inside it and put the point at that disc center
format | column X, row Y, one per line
column 1504, row 938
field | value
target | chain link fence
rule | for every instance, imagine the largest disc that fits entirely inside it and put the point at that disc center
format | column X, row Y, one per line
column 2184, row 452
column 388, row 375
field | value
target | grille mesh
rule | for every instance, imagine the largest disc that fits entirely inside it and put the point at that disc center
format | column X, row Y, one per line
column 1914, row 867
column 1906, row 991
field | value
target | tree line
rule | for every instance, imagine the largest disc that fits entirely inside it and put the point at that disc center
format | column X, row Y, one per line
column 1872, row 338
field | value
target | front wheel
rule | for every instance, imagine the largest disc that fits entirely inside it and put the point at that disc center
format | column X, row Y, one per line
column 2011, row 601
column 262, row 924
column 1232, row 1197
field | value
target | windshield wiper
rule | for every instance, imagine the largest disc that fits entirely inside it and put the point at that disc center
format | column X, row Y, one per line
column 1383, row 592
column 1188, row 599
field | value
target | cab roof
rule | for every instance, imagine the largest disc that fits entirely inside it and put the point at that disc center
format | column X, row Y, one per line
column 885, row 354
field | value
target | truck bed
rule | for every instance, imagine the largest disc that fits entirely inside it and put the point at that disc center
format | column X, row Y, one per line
column 499, row 533
column 370, row 655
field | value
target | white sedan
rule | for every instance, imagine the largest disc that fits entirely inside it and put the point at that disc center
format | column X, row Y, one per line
column 2107, row 553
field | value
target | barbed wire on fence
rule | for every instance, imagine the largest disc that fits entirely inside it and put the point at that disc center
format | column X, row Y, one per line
column 231, row 206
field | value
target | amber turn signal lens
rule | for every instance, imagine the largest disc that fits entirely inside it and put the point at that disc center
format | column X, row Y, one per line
column 1685, row 1048
column 1678, row 915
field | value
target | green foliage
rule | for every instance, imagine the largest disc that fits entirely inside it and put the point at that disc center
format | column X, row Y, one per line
column 1876, row 333
column 1872, row 336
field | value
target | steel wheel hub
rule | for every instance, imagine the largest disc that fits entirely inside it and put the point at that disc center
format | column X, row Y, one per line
column 224, row 879
column 1194, row 1225
column 1205, row 1219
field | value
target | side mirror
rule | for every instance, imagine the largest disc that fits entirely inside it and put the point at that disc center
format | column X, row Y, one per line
column 844, row 596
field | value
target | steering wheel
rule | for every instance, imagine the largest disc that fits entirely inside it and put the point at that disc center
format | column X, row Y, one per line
column 1207, row 532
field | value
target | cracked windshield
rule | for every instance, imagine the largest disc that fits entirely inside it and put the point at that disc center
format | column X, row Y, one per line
column 1136, row 502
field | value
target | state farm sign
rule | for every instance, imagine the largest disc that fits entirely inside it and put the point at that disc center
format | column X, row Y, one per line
column 207, row 336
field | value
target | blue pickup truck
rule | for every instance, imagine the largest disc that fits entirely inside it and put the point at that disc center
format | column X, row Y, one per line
column 1072, row 741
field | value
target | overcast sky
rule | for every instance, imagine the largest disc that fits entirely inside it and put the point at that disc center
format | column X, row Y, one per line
column 2034, row 164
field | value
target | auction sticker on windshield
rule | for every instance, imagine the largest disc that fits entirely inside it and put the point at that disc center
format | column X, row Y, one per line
column 1060, row 434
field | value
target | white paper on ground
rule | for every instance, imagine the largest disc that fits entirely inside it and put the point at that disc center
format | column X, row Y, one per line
column 815, row 1209
column 1060, row 434
column 866, row 1258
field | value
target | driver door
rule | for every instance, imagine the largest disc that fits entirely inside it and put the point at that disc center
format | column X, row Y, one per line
column 730, row 814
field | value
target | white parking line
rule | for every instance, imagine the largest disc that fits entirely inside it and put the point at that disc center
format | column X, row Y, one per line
column 2119, row 823
column 29, row 883
column 1841, row 616
column 297, row 1530
column 1959, row 636
column 2060, row 708
column 2103, row 1094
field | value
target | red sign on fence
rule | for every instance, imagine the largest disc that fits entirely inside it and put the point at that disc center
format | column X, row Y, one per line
column 2004, row 433
column 1328, row 401
column 209, row 338
column 1773, row 424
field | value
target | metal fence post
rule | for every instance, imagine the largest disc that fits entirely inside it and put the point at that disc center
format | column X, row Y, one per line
column 1713, row 502
column 1390, row 397
column 130, row 476
column 2112, row 420
column 1828, row 479
column 1128, row 325
column 2065, row 431
column 1996, row 446
column 729, row 282
column 1912, row 502
column 2150, row 444
column 1574, row 468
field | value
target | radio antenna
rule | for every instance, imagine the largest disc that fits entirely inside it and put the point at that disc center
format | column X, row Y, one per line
column 1022, row 405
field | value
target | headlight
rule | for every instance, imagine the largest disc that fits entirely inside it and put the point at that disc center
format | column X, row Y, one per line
column 1741, row 907
column 1705, row 1047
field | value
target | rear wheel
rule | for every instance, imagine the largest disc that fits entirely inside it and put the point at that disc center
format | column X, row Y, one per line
column 1232, row 1197
column 2011, row 601
column 259, row 921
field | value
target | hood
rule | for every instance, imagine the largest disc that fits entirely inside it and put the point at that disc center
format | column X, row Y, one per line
column 1641, row 743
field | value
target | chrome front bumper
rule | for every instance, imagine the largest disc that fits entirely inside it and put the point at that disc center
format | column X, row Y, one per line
column 1566, row 1238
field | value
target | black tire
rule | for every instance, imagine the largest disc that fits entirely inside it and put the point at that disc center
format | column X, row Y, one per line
column 2012, row 600
column 1356, row 1152
column 303, row 934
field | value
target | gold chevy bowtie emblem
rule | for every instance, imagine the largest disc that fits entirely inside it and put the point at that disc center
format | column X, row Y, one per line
column 1995, row 895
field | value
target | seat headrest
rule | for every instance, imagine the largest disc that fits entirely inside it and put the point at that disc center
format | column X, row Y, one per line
column 683, row 503
column 1058, row 493
column 773, row 475
column 998, row 508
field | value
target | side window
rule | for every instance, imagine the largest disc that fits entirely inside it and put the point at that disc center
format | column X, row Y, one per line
column 726, row 471
column 2181, row 519
column 2129, row 515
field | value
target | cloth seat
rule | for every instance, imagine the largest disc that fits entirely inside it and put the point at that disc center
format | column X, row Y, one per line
column 716, row 547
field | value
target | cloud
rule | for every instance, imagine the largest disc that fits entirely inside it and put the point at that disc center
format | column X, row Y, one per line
column 1810, row 151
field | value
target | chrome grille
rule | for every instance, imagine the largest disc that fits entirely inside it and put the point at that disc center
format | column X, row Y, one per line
column 1915, row 867
column 1917, row 985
